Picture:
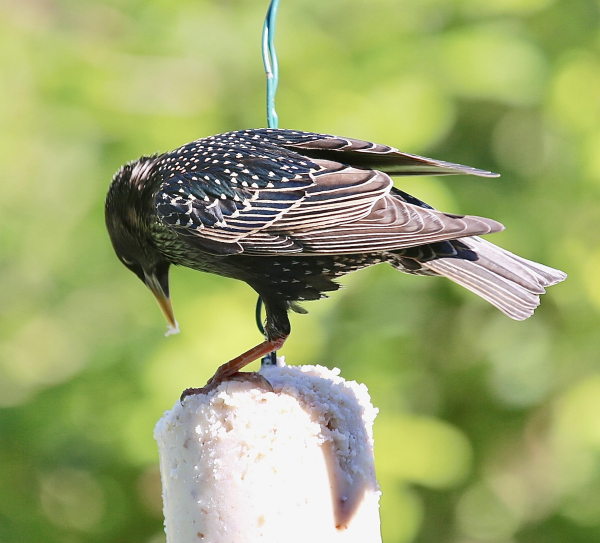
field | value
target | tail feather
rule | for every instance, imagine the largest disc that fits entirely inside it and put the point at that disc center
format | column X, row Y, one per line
column 509, row 282
column 545, row 275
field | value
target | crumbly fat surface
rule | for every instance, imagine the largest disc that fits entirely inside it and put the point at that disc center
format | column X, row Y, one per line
column 341, row 408
column 341, row 412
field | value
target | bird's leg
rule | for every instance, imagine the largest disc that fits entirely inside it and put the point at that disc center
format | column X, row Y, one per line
column 269, row 359
column 235, row 365
column 230, row 369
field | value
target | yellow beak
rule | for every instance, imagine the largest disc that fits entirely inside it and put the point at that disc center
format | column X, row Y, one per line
column 164, row 302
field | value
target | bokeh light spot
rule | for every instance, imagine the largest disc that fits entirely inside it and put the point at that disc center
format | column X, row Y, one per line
column 72, row 498
column 41, row 353
column 482, row 515
column 401, row 512
column 521, row 360
column 421, row 450
column 410, row 113
column 491, row 63
column 575, row 96
column 591, row 265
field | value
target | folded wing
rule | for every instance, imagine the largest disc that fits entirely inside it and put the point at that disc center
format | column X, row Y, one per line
column 266, row 192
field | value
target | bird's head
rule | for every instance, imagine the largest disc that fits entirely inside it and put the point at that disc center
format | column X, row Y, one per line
column 129, row 220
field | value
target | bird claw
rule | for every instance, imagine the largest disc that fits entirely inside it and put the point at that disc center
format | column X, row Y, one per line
column 245, row 377
column 251, row 377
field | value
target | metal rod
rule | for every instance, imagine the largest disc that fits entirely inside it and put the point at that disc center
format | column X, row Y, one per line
column 270, row 61
column 258, row 315
column 272, row 70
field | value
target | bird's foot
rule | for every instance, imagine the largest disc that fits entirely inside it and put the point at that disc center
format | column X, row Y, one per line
column 231, row 369
column 252, row 377
column 245, row 377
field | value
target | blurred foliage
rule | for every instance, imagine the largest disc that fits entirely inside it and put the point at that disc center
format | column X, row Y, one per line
column 489, row 429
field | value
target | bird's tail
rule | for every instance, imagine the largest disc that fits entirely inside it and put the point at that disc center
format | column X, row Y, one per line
column 509, row 282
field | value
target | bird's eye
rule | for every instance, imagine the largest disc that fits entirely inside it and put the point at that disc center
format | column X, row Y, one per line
column 134, row 267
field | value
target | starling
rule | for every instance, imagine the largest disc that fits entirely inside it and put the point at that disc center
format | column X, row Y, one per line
column 289, row 212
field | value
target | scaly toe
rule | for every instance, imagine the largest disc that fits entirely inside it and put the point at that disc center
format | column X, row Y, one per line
column 243, row 376
column 192, row 391
column 251, row 377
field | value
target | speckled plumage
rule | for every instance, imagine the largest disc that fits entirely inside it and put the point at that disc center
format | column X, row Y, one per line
column 288, row 212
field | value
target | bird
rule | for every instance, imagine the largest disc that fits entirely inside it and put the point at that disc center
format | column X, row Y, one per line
column 289, row 212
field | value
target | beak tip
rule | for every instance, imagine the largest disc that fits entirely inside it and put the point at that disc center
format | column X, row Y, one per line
column 173, row 329
column 161, row 293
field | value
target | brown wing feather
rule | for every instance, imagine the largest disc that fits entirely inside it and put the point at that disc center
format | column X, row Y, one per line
column 349, row 210
column 366, row 154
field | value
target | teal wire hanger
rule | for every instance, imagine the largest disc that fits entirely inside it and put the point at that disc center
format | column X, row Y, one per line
column 270, row 61
column 272, row 70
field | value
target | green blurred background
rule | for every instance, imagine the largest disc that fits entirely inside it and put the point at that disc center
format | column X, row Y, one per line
column 489, row 429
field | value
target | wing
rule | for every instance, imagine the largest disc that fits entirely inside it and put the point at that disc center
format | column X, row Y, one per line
column 394, row 224
column 355, row 211
column 253, row 192
column 364, row 154
column 219, row 190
